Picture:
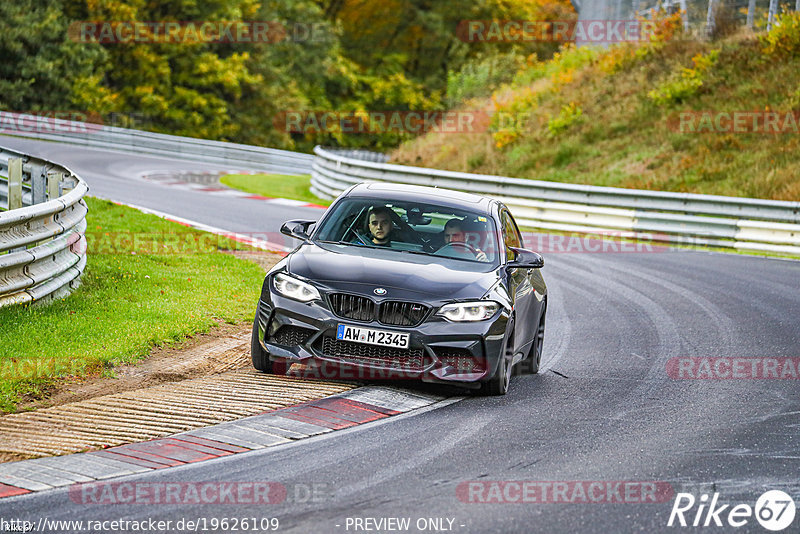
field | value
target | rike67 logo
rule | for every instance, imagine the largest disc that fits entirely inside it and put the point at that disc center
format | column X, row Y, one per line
column 774, row 510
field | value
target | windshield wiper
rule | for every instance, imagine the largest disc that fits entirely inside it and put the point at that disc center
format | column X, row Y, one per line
column 421, row 252
column 343, row 242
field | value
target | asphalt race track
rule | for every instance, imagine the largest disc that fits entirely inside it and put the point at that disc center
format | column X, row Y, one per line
column 607, row 407
column 116, row 176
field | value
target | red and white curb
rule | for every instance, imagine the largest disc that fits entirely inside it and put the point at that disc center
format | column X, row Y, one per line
column 250, row 240
column 269, row 429
column 219, row 189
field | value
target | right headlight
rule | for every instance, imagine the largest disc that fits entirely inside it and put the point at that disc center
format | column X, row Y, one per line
column 291, row 287
column 469, row 311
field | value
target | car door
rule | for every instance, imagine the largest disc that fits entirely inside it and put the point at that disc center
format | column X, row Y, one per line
column 520, row 287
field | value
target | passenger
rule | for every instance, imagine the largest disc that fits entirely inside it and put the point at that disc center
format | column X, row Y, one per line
column 454, row 233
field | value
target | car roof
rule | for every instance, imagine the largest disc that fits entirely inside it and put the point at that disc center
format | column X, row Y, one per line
column 422, row 194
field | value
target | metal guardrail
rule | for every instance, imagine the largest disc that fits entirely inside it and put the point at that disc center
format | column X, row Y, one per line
column 692, row 219
column 139, row 142
column 42, row 227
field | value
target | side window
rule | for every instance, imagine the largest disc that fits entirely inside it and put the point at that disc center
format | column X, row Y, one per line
column 511, row 235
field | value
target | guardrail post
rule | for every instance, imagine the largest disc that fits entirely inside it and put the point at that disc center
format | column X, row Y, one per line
column 38, row 184
column 14, row 183
column 54, row 184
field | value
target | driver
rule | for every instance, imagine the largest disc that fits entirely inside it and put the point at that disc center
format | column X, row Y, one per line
column 454, row 233
column 380, row 225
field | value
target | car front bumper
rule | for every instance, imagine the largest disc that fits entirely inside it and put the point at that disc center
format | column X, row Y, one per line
column 439, row 351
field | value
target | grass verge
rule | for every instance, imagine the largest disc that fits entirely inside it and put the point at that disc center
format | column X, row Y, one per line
column 295, row 187
column 148, row 282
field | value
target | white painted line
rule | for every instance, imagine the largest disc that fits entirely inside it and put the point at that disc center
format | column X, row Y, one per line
column 288, row 202
column 391, row 399
column 119, row 465
column 241, row 238
column 24, row 483
column 43, row 475
column 294, row 425
column 260, row 425
column 225, row 437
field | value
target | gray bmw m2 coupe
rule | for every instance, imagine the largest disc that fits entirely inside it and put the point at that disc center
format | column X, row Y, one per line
column 405, row 282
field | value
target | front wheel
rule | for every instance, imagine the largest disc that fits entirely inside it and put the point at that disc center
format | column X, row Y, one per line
column 498, row 384
column 531, row 364
column 260, row 357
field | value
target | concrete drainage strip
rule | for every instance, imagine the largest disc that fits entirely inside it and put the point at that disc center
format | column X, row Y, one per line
column 339, row 411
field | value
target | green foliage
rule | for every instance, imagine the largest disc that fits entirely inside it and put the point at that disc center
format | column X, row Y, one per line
column 569, row 115
column 482, row 76
column 568, row 59
column 784, row 38
column 513, row 114
column 343, row 55
column 679, row 88
column 41, row 69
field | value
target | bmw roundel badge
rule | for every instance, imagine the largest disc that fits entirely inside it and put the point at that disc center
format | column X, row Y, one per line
column 379, row 291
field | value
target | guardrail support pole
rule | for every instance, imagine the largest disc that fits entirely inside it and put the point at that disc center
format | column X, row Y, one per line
column 54, row 184
column 14, row 183
column 38, row 184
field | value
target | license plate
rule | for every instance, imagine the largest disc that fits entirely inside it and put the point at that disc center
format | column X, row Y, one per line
column 384, row 338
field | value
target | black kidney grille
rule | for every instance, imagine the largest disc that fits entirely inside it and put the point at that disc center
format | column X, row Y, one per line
column 401, row 313
column 352, row 306
column 360, row 353
column 291, row 335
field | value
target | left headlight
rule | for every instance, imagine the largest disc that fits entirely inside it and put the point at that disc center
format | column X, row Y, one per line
column 291, row 287
column 469, row 311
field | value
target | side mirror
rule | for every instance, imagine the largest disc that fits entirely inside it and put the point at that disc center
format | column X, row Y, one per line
column 526, row 259
column 297, row 228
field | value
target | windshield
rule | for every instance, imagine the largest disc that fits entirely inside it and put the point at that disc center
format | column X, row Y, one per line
column 411, row 227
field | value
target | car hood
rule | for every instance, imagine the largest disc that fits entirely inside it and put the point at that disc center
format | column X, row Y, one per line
column 402, row 275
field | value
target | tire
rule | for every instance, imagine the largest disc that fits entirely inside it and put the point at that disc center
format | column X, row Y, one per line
column 531, row 364
column 498, row 384
column 260, row 357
